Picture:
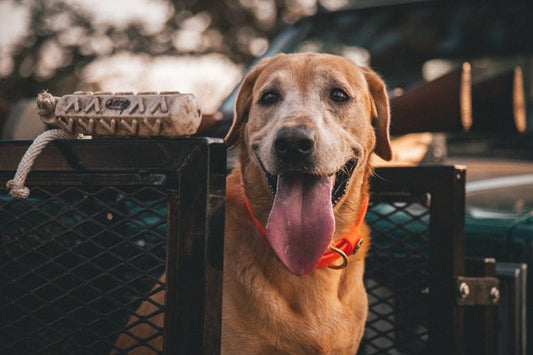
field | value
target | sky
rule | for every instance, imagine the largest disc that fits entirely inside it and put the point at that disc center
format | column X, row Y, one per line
column 210, row 77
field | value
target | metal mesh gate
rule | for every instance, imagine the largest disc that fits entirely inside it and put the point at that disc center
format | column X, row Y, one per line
column 413, row 230
column 105, row 219
column 79, row 256
column 87, row 256
column 397, row 278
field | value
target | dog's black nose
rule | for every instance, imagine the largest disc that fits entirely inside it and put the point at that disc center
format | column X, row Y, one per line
column 294, row 143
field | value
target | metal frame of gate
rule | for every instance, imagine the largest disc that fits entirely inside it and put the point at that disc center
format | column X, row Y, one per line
column 172, row 190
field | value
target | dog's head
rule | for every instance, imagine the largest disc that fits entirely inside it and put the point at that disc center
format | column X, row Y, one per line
column 309, row 122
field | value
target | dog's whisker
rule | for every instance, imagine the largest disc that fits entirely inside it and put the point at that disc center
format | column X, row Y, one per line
column 376, row 174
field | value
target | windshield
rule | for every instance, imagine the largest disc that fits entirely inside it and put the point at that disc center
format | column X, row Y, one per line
column 401, row 42
column 418, row 42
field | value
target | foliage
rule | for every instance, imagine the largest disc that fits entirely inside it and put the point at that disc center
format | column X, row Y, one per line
column 62, row 37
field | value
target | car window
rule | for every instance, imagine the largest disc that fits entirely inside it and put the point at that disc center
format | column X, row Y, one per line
column 410, row 44
column 400, row 38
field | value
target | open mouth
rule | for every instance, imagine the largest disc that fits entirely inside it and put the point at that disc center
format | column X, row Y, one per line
column 301, row 222
column 342, row 179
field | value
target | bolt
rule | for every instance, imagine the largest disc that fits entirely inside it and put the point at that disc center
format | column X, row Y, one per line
column 494, row 295
column 464, row 290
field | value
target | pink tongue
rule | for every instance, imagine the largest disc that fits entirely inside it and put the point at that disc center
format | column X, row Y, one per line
column 301, row 223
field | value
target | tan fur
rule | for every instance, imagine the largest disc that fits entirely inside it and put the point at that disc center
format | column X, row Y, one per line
column 266, row 308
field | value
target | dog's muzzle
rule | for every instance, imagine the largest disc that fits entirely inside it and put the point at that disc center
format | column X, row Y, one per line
column 342, row 178
column 301, row 221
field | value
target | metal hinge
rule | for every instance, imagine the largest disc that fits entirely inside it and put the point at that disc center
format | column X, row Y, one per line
column 477, row 291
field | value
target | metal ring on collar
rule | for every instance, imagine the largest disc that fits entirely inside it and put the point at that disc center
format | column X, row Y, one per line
column 344, row 259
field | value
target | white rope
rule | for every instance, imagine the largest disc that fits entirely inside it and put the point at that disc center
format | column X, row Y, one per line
column 16, row 186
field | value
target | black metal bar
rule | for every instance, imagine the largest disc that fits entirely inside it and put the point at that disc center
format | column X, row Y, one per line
column 194, row 270
column 512, row 311
column 446, row 326
column 109, row 178
column 105, row 155
column 214, row 226
column 407, row 180
column 480, row 322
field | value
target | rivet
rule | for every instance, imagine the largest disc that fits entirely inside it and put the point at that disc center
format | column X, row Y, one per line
column 464, row 290
column 494, row 294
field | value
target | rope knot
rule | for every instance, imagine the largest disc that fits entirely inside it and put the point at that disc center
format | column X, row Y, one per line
column 16, row 186
column 18, row 191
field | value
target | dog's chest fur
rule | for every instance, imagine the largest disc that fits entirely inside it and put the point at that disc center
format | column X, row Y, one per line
column 281, row 312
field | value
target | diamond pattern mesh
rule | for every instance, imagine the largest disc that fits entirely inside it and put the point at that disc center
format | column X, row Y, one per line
column 75, row 263
column 397, row 278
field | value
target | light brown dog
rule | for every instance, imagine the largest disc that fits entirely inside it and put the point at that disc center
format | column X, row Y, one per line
column 305, row 126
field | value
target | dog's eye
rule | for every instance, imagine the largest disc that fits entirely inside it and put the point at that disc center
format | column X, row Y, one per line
column 269, row 98
column 338, row 95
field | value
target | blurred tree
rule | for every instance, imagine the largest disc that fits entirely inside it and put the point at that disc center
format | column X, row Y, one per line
column 31, row 69
column 63, row 37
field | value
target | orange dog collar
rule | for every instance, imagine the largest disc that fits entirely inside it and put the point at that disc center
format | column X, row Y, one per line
column 339, row 248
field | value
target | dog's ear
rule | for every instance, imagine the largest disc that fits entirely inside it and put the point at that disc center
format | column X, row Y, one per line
column 380, row 113
column 243, row 104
